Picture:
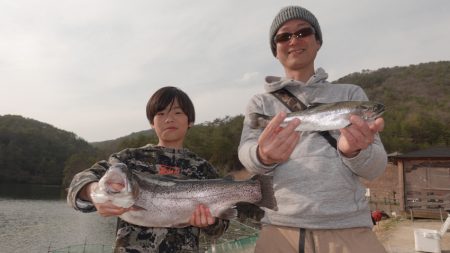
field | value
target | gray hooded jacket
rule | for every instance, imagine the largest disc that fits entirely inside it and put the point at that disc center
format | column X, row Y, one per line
column 317, row 188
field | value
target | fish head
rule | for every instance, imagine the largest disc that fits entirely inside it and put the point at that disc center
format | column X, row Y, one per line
column 371, row 110
column 116, row 185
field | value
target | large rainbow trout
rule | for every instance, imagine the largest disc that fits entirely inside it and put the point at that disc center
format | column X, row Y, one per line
column 163, row 201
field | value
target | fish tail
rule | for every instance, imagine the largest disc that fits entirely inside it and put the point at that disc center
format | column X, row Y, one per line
column 258, row 120
column 267, row 193
column 228, row 214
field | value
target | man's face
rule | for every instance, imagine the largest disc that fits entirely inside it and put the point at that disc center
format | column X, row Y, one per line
column 297, row 54
column 171, row 125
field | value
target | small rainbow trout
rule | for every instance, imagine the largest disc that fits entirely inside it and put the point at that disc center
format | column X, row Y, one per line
column 323, row 117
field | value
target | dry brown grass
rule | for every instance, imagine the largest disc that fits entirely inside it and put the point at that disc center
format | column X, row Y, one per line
column 384, row 227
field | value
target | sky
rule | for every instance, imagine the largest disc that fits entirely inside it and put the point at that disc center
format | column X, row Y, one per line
column 90, row 66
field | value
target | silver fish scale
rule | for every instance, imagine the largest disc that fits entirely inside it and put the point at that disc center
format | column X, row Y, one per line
column 323, row 121
column 334, row 115
column 172, row 203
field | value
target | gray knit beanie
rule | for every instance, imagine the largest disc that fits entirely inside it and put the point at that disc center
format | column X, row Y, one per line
column 289, row 13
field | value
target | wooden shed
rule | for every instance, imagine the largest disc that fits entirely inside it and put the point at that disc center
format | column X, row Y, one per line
column 424, row 180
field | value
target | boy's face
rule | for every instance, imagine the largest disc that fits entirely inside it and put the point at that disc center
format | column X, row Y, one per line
column 171, row 125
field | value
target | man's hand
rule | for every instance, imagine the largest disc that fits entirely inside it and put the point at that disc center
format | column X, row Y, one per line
column 359, row 135
column 275, row 145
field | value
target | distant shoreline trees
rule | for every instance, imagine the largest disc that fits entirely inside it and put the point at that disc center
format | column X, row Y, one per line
column 417, row 100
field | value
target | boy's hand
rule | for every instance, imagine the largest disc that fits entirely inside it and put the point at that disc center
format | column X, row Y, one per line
column 107, row 209
column 202, row 217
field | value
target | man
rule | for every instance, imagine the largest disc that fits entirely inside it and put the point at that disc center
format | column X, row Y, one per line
column 322, row 207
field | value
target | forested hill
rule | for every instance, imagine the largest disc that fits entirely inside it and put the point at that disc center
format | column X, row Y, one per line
column 417, row 99
column 35, row 152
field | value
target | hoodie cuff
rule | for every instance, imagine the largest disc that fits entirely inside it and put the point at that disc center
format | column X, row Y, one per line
column 84, row 206
column 264, row 168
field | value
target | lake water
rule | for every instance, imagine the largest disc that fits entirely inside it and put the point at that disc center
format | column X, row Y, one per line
column 37, row 218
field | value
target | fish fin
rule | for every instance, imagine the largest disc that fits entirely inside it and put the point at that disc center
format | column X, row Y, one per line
column 323, row 106
column 168, row 177
column 137, row 208
column 228, row 177
column 249, row 210
column 268, row 199
column 181, row 225
column 314, row 105
column 175, row 177
column 228, row 214
column 258, row 120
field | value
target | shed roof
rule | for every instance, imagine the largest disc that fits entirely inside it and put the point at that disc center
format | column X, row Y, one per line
column 435, row 152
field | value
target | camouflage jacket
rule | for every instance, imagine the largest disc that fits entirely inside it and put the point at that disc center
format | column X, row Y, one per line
column 156, row 160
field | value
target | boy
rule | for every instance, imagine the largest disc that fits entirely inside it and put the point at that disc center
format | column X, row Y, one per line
column 170, row 113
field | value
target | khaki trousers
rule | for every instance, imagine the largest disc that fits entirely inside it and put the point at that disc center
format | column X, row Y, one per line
column 278, row 239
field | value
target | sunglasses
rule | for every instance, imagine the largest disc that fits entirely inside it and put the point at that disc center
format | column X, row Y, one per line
column 302, row 33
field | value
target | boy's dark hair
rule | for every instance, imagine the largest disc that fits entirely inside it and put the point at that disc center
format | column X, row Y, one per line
column 165, row 97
